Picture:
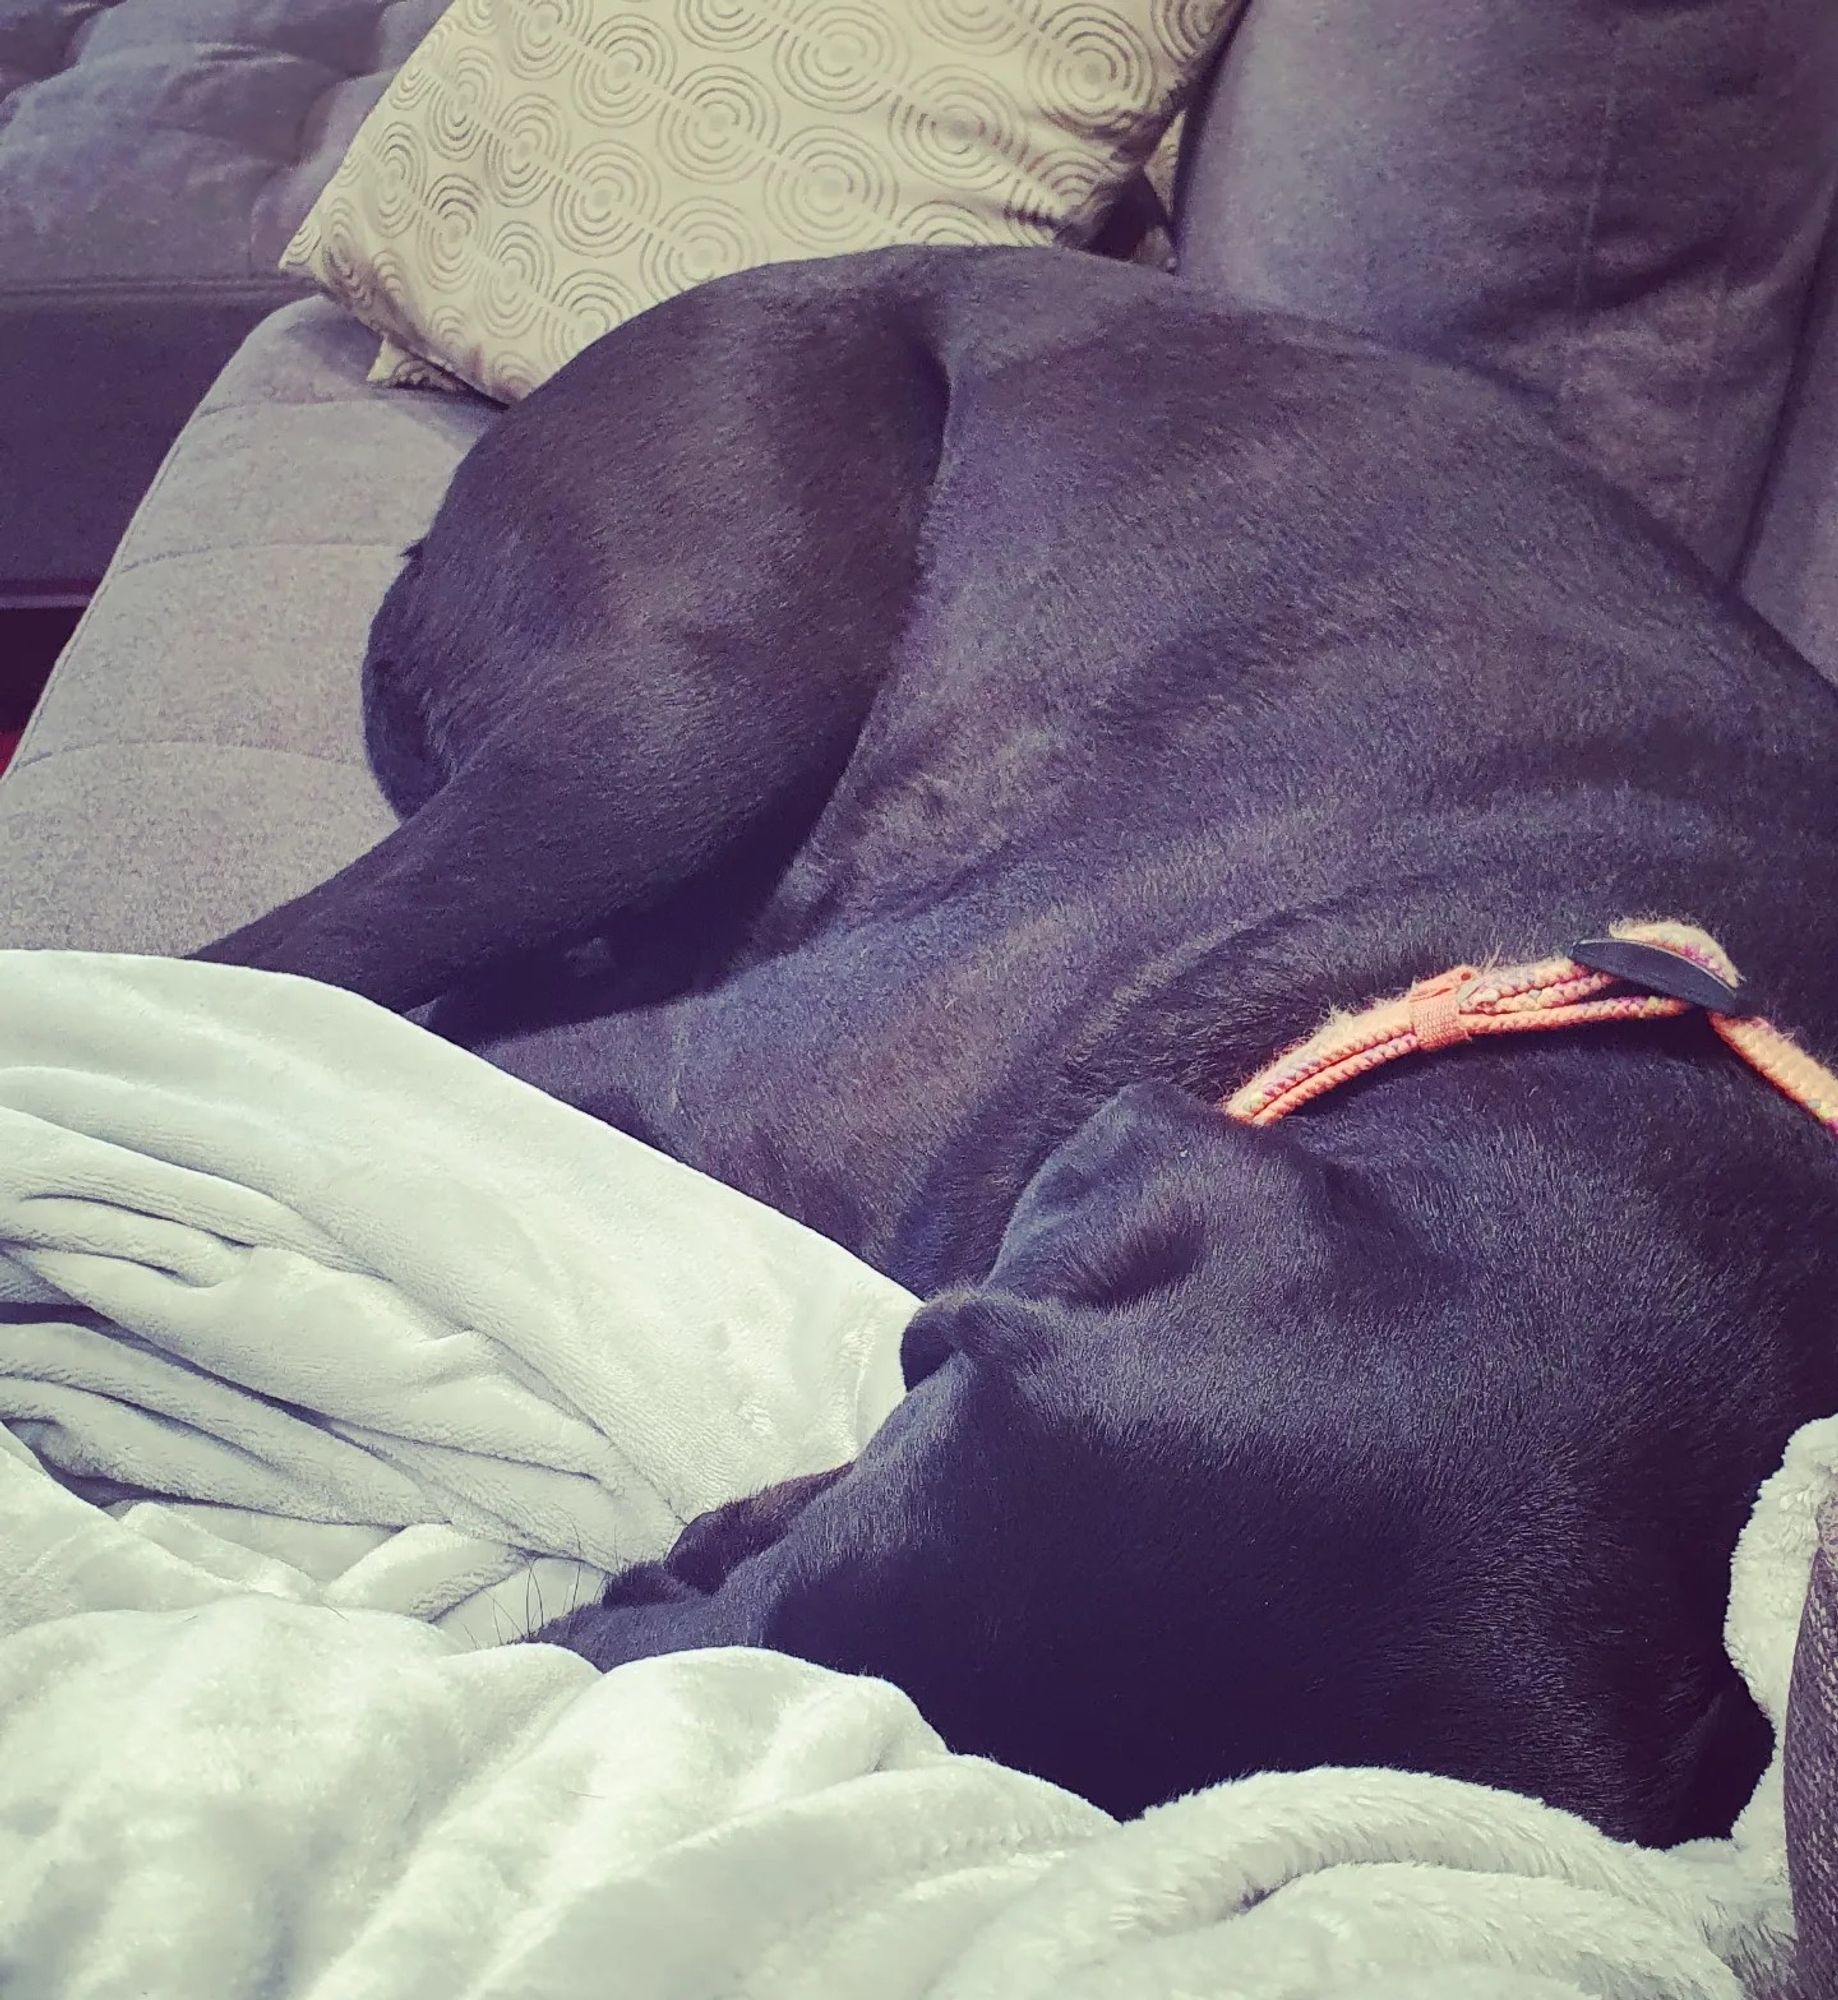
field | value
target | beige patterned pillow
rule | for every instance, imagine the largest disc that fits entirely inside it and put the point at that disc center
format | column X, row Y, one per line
column 541, row 170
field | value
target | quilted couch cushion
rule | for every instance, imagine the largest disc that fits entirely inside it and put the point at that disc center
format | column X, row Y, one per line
column 198, row 755
column 155, row 156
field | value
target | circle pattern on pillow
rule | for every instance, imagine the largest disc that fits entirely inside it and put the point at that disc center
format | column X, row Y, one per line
column 541, row 170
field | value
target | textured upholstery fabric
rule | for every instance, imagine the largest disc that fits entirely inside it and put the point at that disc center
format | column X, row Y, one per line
column 198, row 754
column 155, row 156
column 1791, row 570
column 1614, row 203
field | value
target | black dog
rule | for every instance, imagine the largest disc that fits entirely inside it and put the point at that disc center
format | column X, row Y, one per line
column 905, row 735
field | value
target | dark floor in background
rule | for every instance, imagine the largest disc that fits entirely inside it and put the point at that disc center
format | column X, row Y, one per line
column 30, row 641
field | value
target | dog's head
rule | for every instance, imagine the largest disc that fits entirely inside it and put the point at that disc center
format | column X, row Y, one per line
column 1425, row 1448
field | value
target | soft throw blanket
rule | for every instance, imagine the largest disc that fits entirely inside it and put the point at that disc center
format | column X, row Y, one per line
column 407, row 1353
column 383, row 1322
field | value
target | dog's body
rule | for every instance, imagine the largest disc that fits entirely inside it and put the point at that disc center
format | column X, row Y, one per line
column 954, row 687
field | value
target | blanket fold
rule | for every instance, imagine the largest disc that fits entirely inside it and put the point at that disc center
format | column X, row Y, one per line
column 269, row 1247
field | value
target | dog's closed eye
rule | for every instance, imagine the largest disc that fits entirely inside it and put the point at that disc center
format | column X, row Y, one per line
column 1127, row 1264
column 1120, row 1264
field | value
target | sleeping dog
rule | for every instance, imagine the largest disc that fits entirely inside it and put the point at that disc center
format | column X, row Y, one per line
column 909, row 734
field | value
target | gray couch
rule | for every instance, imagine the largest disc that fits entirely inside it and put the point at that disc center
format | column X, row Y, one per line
column 1620, row 208
column 1431, row 167
column 1636, row 228
column 197, row 755
column 199, row 759
column 155, row 156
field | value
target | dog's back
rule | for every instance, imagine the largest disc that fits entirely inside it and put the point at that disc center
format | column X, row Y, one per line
column 1244, row 671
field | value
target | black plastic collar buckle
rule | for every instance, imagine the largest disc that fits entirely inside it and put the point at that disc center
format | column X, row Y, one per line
column 1656, row 970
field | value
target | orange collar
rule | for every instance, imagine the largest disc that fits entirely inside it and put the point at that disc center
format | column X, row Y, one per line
column 1675, row 967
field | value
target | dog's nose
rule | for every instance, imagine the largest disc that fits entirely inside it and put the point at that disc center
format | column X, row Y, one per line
column 956, row 1322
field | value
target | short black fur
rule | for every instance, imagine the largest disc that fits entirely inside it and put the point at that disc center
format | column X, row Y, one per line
column 904, row 734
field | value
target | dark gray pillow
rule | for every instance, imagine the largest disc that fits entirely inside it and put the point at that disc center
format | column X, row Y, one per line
column 1790, row 572
column 1615, row 204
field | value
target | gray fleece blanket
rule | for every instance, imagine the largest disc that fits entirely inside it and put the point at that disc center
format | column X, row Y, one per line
column 331, row 1358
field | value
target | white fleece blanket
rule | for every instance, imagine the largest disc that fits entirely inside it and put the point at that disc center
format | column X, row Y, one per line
column 410, row 1355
